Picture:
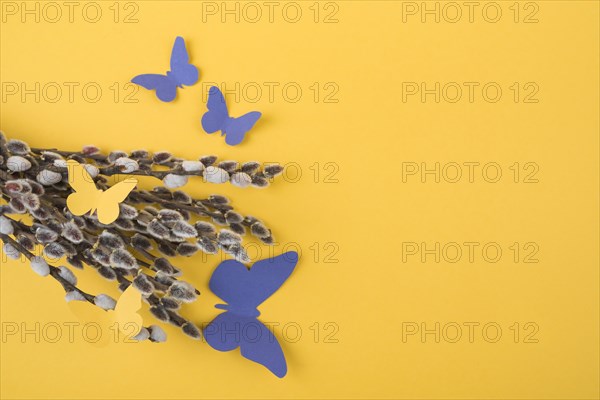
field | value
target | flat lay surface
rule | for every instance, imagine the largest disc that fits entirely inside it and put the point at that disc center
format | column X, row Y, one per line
column 440, row 186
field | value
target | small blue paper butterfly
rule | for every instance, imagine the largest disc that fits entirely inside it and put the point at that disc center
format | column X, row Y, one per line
column 217, row 119
column 244, row 290
column 181, row 73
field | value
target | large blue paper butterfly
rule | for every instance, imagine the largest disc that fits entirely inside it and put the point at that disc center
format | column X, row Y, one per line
column 217, row 119
column 244, row 290
column 181, row 73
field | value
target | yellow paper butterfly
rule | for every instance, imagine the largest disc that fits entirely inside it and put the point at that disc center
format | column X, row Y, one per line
column 120, row 325
column 88, row 198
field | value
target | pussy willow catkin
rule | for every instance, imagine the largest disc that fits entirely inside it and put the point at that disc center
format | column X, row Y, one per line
column 153, row 225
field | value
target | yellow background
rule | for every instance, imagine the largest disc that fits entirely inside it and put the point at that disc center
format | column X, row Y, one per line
column 368, row 213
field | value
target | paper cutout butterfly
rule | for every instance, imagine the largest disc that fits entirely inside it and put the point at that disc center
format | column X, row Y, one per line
column 181, row 73
column 88, row 198
column 124, row 318
column 217, row 119
column 244, row 290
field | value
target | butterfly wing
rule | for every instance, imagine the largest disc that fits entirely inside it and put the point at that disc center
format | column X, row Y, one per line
column 229, row 331
column 85, row 195
column 108, row 203
column 224, row 332
column 217, row 115
column 245, row 289
column 230, row 282
column 269, row 274
column 236, row 128
column 80, row 203
column 126, row 312
column 98, row 324
column 260, row 345
column 166, row 88
column 183, row 72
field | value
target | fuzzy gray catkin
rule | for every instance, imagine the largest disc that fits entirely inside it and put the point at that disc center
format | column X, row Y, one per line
column 153, row 225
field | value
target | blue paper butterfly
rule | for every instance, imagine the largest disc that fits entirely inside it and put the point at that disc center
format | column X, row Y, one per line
column 244, row 290
column 181, row 73
column 217, row 119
